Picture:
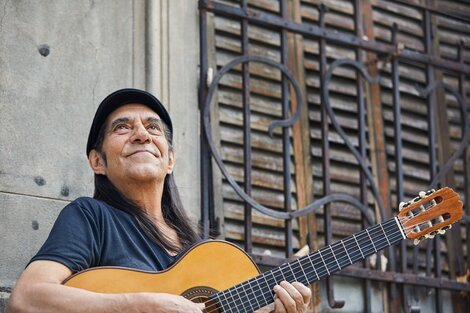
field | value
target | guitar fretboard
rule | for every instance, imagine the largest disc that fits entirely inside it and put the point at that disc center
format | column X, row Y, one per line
column 258, row 291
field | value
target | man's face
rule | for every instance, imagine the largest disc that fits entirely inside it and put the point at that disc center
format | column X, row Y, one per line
column 134, row 148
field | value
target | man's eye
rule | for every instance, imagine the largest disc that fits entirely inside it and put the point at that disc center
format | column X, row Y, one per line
column 154, row 128
column 121, row 127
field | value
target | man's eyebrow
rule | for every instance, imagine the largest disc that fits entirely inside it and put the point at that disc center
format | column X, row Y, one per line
column 152, row 119
column 119, row 120
column 126, row 120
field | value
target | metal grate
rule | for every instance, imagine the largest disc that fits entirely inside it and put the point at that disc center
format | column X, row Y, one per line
column 319, row 129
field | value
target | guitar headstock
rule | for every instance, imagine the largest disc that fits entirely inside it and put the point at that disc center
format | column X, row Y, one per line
column 430, row 213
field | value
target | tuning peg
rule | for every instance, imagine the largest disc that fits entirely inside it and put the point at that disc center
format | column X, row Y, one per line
column 429, row 192
column 441, row 231
column 418, row 240
column 447, row 227
column 403, row 205
column 432, row 234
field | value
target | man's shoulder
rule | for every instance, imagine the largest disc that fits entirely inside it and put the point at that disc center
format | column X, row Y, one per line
column 86, row 203
column 90, row 206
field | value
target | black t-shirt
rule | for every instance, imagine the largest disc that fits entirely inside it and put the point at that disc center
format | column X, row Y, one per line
column 90, row 233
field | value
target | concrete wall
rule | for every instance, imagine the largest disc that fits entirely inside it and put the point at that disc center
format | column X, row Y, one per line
column 58, row 60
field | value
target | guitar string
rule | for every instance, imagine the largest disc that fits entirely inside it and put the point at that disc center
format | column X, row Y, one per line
column 270, row 295
column 263, row 291
column 295, row 271
column 294, row 274
column 298, row 265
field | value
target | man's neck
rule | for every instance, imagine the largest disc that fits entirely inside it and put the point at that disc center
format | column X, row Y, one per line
column 147, row 196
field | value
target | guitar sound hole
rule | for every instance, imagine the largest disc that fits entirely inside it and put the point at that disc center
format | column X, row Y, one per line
column 199, row 294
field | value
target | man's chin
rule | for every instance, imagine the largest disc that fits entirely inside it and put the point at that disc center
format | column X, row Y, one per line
column 145, row 174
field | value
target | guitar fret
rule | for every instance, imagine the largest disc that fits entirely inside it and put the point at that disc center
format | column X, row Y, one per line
column 247, row 297
column 259, row 287
column 274, row 277
column 326, row 267
column 342, row 241
column 400, row 227
column 238, row 295
column 309, row 257
column 354, row 236
column 332, row 252
column 377, row 233
column 221, row 302
column 282, row 274
column 293, row 273
column 267, row 284
column 300, row 264
column 371, row 240
column 386, row 237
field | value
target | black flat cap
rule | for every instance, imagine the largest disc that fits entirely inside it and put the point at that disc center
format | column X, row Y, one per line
column 118, row 99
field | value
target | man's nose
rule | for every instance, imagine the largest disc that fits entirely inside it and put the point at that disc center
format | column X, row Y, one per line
column 140, row 134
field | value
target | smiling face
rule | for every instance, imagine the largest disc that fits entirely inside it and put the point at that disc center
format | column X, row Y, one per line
column 134, row 148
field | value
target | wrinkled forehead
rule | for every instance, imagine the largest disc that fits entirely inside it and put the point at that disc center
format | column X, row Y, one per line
column 132, row 111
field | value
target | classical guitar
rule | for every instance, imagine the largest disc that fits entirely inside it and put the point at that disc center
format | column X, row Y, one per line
column 227, row 280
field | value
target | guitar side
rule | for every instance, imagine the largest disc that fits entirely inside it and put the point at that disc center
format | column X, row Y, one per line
column 206, row 268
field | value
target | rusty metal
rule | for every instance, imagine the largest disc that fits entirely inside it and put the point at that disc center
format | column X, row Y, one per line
column 206, row 124
column 432, row 137
column 248, row 241
column 276, row 22
column 285, row 138
column 466, row 158
column 386, row 52
column 205, row 154
column 333, row 303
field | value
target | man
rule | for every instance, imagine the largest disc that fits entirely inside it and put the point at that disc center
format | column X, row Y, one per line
column 135, row 219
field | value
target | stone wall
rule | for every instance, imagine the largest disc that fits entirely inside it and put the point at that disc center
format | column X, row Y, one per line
column 58, row 60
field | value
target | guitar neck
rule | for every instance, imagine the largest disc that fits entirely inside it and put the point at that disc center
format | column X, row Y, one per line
column 257, row 292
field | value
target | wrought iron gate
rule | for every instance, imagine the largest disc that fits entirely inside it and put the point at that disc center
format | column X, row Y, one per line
column 362, row 113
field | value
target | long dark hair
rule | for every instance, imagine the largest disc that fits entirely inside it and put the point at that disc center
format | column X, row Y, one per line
column 172, row 207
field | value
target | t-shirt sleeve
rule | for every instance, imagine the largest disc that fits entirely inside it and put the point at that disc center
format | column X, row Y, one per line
column 74, row 239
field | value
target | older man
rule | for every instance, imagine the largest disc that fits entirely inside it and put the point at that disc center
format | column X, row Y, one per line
column 135, row 219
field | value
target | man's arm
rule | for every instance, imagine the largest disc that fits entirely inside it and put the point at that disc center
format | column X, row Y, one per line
column 40, row 289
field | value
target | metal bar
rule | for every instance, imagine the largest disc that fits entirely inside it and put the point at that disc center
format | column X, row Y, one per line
column 304, row 179
column 433, row 155
column 273, row 21
column 377, row 275
column 205, row 153
column 466, row 159
column 285, row 137
column 399, row 162
column 361, row 114
column 248, row 241
column 326, row 156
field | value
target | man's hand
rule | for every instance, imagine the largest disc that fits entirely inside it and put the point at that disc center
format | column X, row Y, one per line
column 291, row 298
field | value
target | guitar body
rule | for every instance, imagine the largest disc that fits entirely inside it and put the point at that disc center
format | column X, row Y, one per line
column 206, row 268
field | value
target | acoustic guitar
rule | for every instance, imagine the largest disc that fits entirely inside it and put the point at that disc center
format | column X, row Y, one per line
column 227, row 279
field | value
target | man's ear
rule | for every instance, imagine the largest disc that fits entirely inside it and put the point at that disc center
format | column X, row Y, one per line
column 97, row 162
column 171, row 162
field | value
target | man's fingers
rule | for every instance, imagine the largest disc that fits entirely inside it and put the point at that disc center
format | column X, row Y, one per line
column 294, row 293
column 278, row 306
column 304, row 291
